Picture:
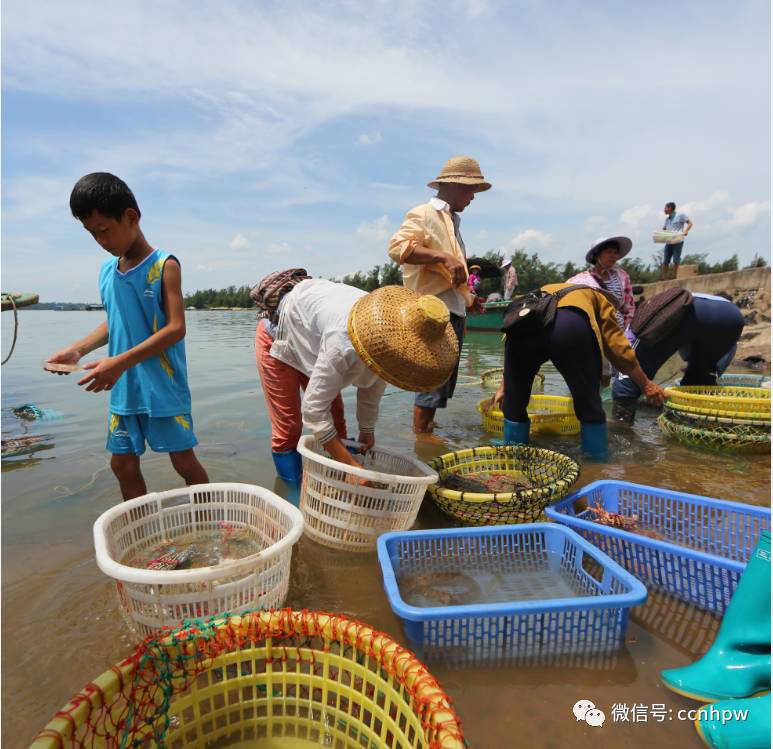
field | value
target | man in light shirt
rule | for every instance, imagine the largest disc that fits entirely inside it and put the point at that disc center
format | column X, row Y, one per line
column 674, row 222
column 430, row 249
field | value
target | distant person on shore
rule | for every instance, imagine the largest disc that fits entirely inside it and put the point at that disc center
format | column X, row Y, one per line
column 145, row 370
column 335, row 335
column 510, row 279
column 430, row 249
column 705, row 338
column 674, row 222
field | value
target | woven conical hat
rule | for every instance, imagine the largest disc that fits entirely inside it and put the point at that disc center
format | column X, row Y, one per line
column 405, row 338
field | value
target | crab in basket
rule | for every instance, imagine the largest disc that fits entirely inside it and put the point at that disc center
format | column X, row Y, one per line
column 617, row 520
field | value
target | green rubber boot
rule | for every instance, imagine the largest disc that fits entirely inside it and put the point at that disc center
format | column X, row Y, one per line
column 736, row 724
column 738, row 663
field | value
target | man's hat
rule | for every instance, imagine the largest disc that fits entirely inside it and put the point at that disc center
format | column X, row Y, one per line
column 463, row 171
column 404, row 337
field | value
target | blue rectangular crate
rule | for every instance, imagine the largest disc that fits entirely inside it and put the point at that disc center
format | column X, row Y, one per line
column 591, row 619
column 706, row 542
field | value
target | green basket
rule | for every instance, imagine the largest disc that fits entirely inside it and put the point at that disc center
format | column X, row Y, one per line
column 550, row 473
column 715, row 435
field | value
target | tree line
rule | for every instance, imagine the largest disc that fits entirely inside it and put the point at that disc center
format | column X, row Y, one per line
column 533, row 272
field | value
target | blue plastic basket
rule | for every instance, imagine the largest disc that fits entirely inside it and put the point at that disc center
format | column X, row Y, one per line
column 721, row 536
column 593, row 620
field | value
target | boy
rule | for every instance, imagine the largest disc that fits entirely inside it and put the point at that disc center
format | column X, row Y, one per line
column 145, row 370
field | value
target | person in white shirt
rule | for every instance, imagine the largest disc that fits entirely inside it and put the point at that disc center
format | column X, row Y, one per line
column 337, row 335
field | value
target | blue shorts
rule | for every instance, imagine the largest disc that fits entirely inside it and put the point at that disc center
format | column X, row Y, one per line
column 672, row 251
column 166, row 434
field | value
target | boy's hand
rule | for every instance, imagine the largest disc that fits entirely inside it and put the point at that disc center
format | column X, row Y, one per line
column 66, row 356
column 103, row 374
column 654, row 394
column 367, row 440
column 496, row 399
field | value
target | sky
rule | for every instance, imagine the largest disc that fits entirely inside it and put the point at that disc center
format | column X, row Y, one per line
column 258, row 136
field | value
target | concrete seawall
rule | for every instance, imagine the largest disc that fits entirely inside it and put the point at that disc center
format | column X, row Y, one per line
column 734, row 281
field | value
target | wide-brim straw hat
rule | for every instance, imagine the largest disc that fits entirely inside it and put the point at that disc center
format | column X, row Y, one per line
column 624, row 245
column 404, row 337
column 463, row 171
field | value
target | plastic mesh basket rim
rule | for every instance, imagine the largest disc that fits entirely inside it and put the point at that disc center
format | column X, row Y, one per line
column 432, row 706
column 698, row 415
column 725, row 398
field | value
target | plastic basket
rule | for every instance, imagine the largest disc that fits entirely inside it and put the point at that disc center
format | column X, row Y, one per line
column 742, row 402
column 150, row 599
column 735, row 436
column 282, row 678
column 667, row 237
column 493, row 378
column 341, row 513
column 593, row 617
column 706, row 542
column 559, row 419
column 741, row 379
column 700, row 416
column 550, row 473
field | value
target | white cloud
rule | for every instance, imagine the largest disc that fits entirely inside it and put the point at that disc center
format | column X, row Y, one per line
column 635, row 215
column 531, row 239
column 278, row 248
column 716, row 201
column 369, row 139
column 239, row 242
column 744, row 217
column 375, row 231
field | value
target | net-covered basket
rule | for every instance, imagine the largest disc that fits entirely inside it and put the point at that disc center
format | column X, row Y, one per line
column 150, row 599
column 550, row 474
column 719, row 435
column 493, row 378
column 701, row 417
column 267, row 679
column 548, row 414
column 734, row 402
column 340, row 512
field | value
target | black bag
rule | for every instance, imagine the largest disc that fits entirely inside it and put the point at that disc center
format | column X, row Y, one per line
column 533, row 312
column 657, row 316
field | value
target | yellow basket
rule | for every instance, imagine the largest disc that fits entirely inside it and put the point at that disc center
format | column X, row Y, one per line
column 264, row 679
column 551, row 475
column 493, row 378
column 720, row 415
column 559, row 419
column 729, row 402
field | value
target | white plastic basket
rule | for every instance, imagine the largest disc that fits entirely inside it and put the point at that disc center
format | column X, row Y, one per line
column 667, row 237
column 150, row 599
column 341, row 513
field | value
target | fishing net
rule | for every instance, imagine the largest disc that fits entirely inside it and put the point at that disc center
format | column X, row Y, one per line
column 739, row 436
column 298, row 676
column 493, row 378
column 738, row 402
column 548, row 476
column 548, row 414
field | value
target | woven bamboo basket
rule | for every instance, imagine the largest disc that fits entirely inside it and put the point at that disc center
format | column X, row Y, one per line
column 263, row 679
column 700, row 416
column 550, row 474
column 737, row 437
column 732, row 402
column 549, row 414
column 493, row 378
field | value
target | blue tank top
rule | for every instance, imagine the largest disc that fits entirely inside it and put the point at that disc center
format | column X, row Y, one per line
column 134, row 304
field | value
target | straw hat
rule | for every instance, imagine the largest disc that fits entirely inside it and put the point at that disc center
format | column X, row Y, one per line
column 464, row 171
column 624, row 245
column 405, row 338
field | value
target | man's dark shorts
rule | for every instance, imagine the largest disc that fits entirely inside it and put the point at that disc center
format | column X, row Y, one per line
column 672, row 251
column 439, row 398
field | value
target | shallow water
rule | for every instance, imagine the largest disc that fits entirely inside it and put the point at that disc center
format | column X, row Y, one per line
column 60, row 622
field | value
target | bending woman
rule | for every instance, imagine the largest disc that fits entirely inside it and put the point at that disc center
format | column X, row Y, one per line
column 337, row 335
column 584, row 328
